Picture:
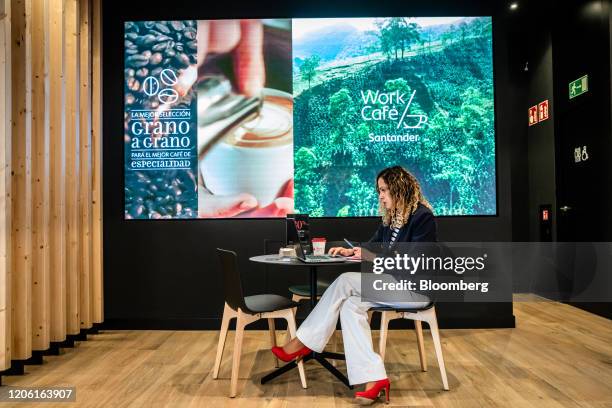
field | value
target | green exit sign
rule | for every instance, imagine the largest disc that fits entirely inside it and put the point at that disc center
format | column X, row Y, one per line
column 579, row 86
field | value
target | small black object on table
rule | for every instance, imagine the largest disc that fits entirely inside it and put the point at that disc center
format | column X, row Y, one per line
column 322, row 357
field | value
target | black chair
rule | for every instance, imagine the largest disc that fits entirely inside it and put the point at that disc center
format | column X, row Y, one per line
column 248, row 309
column 424, row 314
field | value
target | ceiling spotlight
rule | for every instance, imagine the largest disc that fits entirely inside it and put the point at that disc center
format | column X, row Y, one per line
column 513, row 6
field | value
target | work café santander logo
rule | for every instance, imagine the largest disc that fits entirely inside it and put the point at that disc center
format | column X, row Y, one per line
column 392, row 107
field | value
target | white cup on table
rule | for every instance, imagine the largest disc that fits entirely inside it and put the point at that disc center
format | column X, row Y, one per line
column 318, row 246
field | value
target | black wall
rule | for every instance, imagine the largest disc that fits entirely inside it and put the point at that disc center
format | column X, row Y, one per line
column 163, row 274
column 584, row 120
column 550, row 40
column 584, row 187
column 540, row 137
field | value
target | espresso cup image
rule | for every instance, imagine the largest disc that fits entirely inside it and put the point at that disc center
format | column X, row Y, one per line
column 255, row 157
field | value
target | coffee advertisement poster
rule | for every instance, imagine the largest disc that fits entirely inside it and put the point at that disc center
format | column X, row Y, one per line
column 264, row 118
column 160, row 120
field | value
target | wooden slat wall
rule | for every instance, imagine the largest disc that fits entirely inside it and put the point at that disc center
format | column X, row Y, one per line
column 57, row 228
column 50, row 173
column 71, row 107
column 41, row 289
column 20, row 184
column 5, row 187
column 96, row 161
column 85, row 260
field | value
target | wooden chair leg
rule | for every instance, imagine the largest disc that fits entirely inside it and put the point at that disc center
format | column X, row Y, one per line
column 228, row 314
column 240, row 323
column 290, row 317
column 370, row 313
column 435, row 334
column 419, row 335
column 272, row 330
column 382, row 342
column 294, row 298
column 334, row 345
column 338, row 344
column 336, row 341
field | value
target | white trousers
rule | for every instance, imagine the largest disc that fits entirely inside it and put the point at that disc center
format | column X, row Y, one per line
column 343, row 298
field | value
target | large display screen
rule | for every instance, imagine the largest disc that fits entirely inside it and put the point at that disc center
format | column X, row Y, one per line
column 261, row 118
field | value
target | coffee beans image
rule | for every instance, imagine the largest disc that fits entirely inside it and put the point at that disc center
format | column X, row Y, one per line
column 155, row 54
column 152, row 47
column 160, row 195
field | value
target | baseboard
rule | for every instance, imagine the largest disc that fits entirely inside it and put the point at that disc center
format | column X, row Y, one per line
column 603, row 309
column 36, row 359
column 16, row 368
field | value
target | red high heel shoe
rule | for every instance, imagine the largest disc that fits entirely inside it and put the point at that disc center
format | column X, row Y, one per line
column 286, row 357
column 368, row 397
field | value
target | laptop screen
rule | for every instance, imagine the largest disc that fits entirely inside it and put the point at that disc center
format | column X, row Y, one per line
column 298, row 231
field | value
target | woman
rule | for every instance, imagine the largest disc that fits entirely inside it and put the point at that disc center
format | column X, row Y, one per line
column 406, row 217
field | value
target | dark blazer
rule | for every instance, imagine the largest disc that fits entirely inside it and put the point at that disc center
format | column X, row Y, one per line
column 421, row 227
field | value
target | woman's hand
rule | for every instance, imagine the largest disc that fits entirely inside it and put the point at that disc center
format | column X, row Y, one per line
column 341, row 251
column 243, row 204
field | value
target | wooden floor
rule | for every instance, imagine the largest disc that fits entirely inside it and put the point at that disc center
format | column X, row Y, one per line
column 557, row 356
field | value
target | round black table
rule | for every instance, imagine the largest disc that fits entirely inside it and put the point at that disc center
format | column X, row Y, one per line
column 322, row 357
column 294, row 262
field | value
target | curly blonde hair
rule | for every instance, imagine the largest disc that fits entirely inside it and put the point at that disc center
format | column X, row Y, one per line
column 406, row 194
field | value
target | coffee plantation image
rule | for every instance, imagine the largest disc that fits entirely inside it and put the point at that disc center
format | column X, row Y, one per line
column 370, row 93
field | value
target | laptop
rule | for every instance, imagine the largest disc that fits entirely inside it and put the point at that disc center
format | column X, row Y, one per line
column 298, row 230
column 299, row 252
column 316, row 258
